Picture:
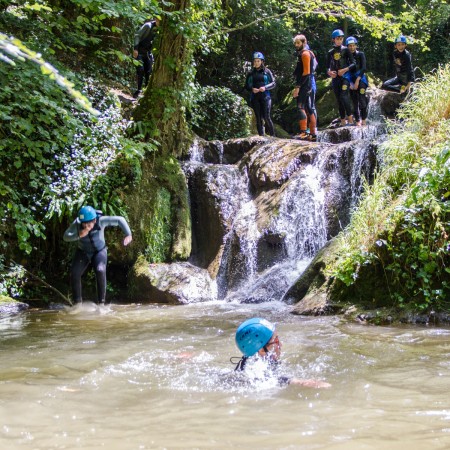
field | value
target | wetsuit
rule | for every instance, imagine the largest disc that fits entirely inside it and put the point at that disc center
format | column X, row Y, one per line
column 404, row 72
column 261, row 102
column 272, row 366
column 92, row 250
column 340, row 57
column 305, row 81
column 359, row 96
column 143, row 43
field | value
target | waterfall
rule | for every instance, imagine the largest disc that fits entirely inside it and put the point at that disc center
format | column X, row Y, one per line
column 258, row 223
column 262, row 208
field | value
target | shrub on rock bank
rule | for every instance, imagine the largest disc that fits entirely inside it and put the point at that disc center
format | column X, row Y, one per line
column 398, row 237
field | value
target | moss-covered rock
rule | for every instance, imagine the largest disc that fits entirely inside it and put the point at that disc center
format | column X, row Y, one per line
column 10, row 306
column 159, row 211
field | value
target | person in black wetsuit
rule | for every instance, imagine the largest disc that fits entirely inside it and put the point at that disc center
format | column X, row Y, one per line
column 142, row 52
column 88, row 230
column 339, row 61
column 403, row 68
column 260, row 81
column 257, row 338
column 358, row 83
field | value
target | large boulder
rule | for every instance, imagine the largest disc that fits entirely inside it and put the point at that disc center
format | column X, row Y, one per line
column 175, row 283
column 9, row 306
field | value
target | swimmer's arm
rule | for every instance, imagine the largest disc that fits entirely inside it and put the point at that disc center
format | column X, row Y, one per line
column 317, row 384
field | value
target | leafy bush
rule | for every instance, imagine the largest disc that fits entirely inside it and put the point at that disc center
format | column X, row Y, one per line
column 54, row 155
column 218, row 113
column 402, row 223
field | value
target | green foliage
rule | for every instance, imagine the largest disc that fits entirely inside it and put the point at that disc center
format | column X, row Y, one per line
column 159, row 233
column 402, row 222
column 54, row 155
column 75, row 29
column 12, row 279
column 36, row 123
column 220, row 114
column 100, row 162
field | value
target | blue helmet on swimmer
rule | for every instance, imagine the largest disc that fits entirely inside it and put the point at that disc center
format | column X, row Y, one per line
column 258, row 55
column 351, row 40
column 253, row 334
column 337, row 33
column 401, row 39
column 86, row 214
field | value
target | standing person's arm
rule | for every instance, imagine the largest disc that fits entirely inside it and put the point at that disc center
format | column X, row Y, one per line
column 411, row 77
column 351, row 64
column 271, row 84
column 72, row 233
column 362, row 70
column 303, row 78
column 117, row 221
column 330, row 69
column 249, row 82
column 140, row 34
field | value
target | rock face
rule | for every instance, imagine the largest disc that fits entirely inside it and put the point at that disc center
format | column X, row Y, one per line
column 176, row 283
column 8, row 306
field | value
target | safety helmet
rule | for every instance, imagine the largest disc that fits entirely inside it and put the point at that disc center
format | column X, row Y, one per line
column 253, row 334
column 86, row 214
column 400, row 39
column 337, row 33
column 351, row 40
column 258, row 55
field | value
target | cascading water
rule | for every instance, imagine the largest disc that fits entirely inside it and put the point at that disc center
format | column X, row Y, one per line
column 263, row 208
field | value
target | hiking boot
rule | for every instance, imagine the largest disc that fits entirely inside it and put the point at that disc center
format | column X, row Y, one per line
column 301, row 136
column 137, row 94
column 306, row 137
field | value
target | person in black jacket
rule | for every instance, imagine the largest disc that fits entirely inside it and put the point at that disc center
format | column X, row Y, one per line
column 260, row 81
column 340, row 61
column 403, row 68
column 358, row 83
column 142, row 52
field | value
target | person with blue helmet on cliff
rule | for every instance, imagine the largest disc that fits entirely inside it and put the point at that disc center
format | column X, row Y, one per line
column 88, row 230
column 340, row 61
column 257, row 338
column 259, row 82
column 403, row 68
column 358, row 82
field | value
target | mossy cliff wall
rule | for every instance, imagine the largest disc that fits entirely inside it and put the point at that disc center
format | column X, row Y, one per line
column 159, row 211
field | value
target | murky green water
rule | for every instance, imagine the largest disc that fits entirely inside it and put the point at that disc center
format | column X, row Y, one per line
column 154, row 377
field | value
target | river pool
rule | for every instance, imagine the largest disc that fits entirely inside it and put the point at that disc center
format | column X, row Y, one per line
column 159, row 377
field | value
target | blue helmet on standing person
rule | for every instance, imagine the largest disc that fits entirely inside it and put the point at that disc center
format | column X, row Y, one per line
column 258, row 55
column 337, row 33
column 86, row 214
column 253, row 334
column 401, row 39
column 351, row 40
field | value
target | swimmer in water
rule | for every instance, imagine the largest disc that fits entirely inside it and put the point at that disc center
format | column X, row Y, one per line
column 257, row 338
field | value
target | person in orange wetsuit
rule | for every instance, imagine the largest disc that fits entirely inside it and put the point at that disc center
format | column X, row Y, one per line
column 304, row 71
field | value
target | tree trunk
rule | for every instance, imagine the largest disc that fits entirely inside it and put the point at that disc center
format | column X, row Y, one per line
column 161, row 111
